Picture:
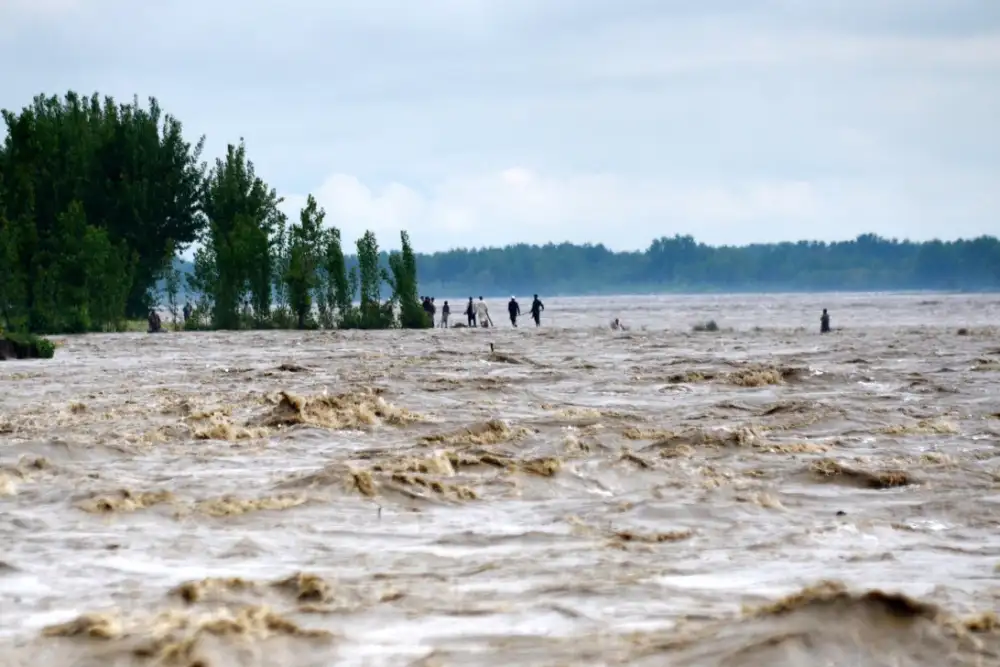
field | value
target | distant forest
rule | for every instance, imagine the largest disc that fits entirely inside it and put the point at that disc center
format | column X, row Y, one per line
column 681, row 264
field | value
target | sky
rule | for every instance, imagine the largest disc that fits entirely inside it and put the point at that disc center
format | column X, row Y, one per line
column 474, row 123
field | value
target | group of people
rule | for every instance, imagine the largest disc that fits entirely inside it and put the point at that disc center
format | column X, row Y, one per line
column 156, row 324
column 477, row 313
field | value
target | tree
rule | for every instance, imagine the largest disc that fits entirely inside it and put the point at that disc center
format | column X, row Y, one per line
column 302, row 274
column 370, row 277
column 110, row 270
column 403, row 267
column 84, row 175
column 236, row 263
column 340, row 289
column 172, row 290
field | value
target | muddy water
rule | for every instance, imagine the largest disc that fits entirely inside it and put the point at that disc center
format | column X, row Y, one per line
column 761, row 495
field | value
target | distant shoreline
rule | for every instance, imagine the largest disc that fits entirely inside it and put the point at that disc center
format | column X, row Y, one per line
column 453, row 295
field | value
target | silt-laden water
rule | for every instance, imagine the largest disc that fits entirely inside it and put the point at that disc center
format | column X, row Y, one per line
column 760, row 496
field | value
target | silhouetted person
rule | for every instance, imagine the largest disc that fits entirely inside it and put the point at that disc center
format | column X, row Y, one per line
column 513, row 309
column 824, row 322
column 434, row 310
column 445, row 312
column 425, row 302
column 188, row 310
column 470, row 313
column 536, row 310
column 154, row 322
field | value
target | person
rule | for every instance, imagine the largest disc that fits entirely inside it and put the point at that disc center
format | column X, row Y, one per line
column 513, row 309
column 187, row 311
column 824, row 322
column 616, row 325
column 154, row 322
column 445, row 312
column 434, row 310
column 425, row 301
column 536, row 310
column 470, row 312
column 482, row 313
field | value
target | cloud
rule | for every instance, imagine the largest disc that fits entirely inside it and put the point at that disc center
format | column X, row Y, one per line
column 474, row 122
column 518, row 204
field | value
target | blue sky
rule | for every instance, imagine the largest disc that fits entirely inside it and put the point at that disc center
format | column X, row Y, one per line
column 485, row 122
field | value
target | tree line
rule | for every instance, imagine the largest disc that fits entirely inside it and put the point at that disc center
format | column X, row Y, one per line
column 97, row 198
column 681, row 264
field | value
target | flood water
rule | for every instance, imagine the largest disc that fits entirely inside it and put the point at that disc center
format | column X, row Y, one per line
column 758, row 496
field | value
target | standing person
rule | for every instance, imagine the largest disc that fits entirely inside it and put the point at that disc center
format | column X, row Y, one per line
column 445, row 312
column 425, row 302
column 536, row 310
column 187, row 311
column 434, row 310
column 824, row 322
column 513, row 309
column 155, row 326
column 483, row 314
column 470, row 312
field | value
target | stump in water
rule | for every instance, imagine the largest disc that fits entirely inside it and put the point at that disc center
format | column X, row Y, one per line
column 25, row 346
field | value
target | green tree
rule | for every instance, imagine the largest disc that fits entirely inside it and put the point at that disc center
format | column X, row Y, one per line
column 172, row 279
column 305, row 246
column 110, row 269
column 370, row 278
column 403, row 279
column 72, row 165
column 339, row 287
column 235, row 263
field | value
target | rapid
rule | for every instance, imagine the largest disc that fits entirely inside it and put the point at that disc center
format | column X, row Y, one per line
column 757, row 496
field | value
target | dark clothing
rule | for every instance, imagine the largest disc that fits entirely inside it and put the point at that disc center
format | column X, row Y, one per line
column 513, row 309
column 187, row 311
column 154, row 322
column 446, row 310
column 536, row 311
column 824, row 323
column 470, row 312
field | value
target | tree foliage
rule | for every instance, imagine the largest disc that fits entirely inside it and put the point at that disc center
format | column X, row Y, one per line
column 302, row 276
column 403, row 279
column 98, row 198
column 680, row 263
column 372, row 313
column 92, row 195
column 235, row 267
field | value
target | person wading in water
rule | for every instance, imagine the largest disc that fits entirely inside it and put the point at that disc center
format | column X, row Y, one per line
column 536, row 310
column 483, row 314
column 470, row 312
column 824, row 322
column 513, row 309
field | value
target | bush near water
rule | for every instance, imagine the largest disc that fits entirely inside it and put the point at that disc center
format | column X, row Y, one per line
column 99, row 198
column 25, row 346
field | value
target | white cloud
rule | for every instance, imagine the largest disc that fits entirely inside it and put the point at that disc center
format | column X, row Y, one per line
column 517, row 204
column 476, row 122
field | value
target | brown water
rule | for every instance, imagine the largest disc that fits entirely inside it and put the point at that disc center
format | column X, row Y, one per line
column 582, row 497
